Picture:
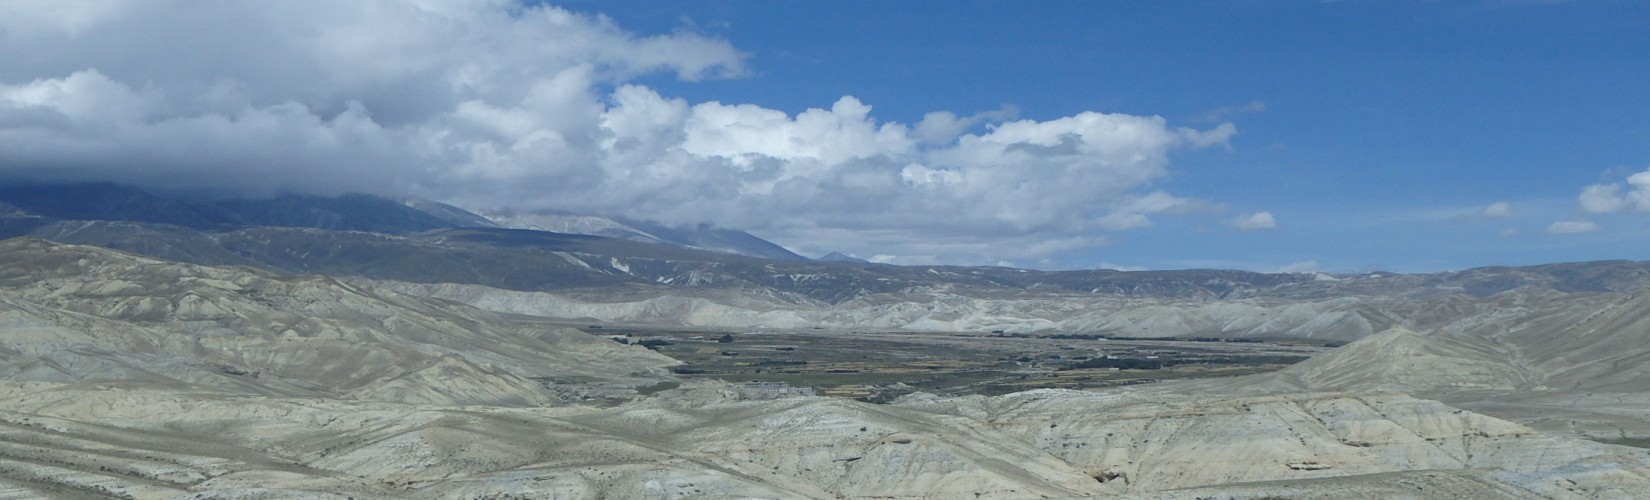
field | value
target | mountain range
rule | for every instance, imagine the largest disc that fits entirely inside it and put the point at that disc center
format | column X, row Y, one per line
column 311, row 347
column 437, row 250
column 367, row 236
column 123, row 376
column 351, row 212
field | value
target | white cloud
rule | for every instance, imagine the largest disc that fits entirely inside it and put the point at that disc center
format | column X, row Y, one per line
column 1605, row 198
column 1602, row 198
column 941, row 127
column 1255, row 221
column 1220, row 114
column 316, row 96
column 488, row 103
column 1214, row 137
column 1122, row 221
column 1572, row 227
column 1497, row 210
column 1131, row 212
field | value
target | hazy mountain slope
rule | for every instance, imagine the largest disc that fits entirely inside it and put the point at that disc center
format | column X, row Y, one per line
column 104, row 201
column 154, row 218
column 163, row 241
column 112, row 202
column 700, row 236
column 456, row 217
column 188, row 230
column 839, row 257
column 350, row 212
column 616, row 279
column 78, row 314
column 581, row 278
column 707, row 237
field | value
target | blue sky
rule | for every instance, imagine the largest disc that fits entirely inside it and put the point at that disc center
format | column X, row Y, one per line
column 1387, row 126
column 1268, row 135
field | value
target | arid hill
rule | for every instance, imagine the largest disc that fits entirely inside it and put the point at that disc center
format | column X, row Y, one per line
column 129, row 377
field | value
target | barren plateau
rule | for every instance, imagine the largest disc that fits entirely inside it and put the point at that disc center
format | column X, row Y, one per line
column 131, row 377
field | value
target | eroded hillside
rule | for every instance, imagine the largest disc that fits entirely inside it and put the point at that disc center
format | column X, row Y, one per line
column 129, row 377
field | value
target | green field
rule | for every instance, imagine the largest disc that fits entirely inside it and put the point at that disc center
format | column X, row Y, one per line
column 862, row 363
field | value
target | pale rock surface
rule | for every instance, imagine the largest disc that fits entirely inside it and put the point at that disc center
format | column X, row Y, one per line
column 73, row 314
column 1153, row 439
column 128, row 377
column 705, row 442
column 942, row 309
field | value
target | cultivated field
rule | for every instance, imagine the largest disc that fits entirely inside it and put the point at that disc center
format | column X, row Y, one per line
column 877, row 366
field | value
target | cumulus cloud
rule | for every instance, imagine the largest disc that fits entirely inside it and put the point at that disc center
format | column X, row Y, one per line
column 941, row 127
column 1131, row 212
column 1572, row 227
column 1255, row 221
column 314, row 96
column 1632, row 195
column 491, row 103
column 1497, row 210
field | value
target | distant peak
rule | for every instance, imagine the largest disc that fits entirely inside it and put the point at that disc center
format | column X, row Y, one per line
column 840, row 257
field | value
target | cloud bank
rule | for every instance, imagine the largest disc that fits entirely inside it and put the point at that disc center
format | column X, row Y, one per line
column 490, row 103
column 1573, row 227
column 1497, row 210
column 1632, row 195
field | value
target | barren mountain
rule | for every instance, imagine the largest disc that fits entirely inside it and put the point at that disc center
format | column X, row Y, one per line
column 1587, row 342
column 429, row 243
column 698, row 237
column 319, row 362
column 580, row 277
column 1574, row 364
column 703, row 441
column 130, row 377
column 76, row 314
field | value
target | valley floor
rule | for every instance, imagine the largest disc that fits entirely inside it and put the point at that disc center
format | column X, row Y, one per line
column 875, row 365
